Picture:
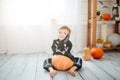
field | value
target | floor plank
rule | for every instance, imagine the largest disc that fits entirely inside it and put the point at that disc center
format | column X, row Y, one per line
column 18, row 68
column 1, row 56
column 4, row 60
column 7, row 67
column 29, row 72
column 60, row 76
column 98, row 72
column 109, row 68
column 77, row 77
column 41, row 73
column 30, row 67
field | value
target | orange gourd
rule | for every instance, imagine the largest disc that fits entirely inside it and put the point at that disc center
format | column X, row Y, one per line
column 61, row 62
column 97, row 53
column 106, row 16
column 87, row 54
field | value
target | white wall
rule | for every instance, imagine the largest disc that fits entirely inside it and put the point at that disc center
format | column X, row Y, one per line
column 26, row 28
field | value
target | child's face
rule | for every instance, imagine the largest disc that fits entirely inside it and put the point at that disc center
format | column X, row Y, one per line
column 62, row 33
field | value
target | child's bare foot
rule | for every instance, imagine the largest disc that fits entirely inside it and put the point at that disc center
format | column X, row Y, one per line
column 71, row 72
column 52, row 73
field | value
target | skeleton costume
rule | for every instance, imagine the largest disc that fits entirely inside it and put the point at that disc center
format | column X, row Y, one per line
column 62, row 48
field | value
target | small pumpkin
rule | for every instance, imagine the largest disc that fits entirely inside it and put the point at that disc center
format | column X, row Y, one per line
column 107, row 44
column 97, row 53
column 106, row 16
column 61, row 62
column 99, row 40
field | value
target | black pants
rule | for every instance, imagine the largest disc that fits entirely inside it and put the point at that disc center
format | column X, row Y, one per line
column 77, row 62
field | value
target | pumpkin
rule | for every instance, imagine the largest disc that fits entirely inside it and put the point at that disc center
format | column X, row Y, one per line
column 107, row 44
column 61, row 62
column 99, row 40
column 106, row 16
column 97, row 53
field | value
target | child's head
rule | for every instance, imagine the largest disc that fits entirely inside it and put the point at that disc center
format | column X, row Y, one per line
column 63, row 32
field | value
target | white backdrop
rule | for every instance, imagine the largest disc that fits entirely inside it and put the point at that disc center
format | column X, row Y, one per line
column 29, row 26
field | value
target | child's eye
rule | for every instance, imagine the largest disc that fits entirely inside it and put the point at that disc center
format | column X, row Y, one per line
column 59, row 32
column 65, row 33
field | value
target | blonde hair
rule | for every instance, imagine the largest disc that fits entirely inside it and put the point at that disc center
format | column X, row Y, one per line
column 65, row 27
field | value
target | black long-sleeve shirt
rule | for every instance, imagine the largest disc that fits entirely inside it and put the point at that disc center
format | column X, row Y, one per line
column 63, row 47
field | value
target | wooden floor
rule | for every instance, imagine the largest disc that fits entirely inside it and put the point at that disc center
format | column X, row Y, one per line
column 30, row 67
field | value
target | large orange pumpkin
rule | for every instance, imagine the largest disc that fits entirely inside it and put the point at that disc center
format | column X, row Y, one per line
column 97, row 53
column 61, row 62
column 106, row 16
